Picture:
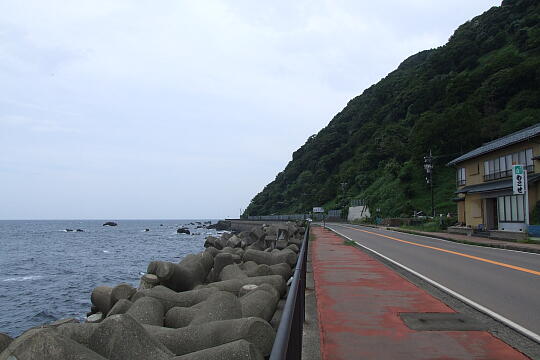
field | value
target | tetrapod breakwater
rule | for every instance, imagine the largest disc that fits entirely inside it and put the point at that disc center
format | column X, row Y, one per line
column 222, row 303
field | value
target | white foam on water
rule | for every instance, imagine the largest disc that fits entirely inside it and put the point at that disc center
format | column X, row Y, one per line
column 24, row 278
column 106, row 251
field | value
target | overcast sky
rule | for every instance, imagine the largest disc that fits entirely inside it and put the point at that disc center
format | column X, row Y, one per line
column 184, row 109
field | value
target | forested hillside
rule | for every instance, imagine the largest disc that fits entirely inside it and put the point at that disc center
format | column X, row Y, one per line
column 483, row 84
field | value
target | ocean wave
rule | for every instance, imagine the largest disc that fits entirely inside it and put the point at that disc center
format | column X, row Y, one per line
column 24, row 278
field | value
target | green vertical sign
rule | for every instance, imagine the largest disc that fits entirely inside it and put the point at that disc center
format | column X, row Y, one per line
column 519, row 186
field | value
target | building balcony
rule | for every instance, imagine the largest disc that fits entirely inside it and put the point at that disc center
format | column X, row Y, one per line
column 505, row 173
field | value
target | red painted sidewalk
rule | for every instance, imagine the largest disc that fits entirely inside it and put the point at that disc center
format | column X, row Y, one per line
column 359, row 299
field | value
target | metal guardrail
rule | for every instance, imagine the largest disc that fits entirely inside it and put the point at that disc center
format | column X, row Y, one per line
column 334, row 213
column 280, row 217
column 288, row 342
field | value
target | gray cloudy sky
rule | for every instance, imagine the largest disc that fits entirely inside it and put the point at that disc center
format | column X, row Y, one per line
column 184, row 109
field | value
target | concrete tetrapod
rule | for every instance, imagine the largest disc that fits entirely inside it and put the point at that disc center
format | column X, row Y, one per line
column 121, row 307
column 198, row 337
column 46, row 344
column 220, row 261
column 237, row 253
column 63, row 321
column 78, row 332
column 236, row 350
column 250, row 266
column 246, row 289
column 147, row 310
column 275, row 257
column 297, row 242
column 122, row 291
column 259, row 303
column 232, row 271
column 219, row 306
column 260, row 270
column 102, row 298
column 285, row 256
column 170, row 298
column 120, row 337
column 234, row 285
column 282, row 269
column 215, row 242
column 234, row 241
column 148, row 281
column 95, row 318
column 294, row 248
column 282, row 244
column 178, row 317
column 187, row 274
column 5, row 340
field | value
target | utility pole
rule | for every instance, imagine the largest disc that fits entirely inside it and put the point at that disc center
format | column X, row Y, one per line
column 428, row 165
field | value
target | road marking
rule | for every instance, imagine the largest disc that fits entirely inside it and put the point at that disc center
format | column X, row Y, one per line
column 485, row 310
column 534, row 272
column 464, row 244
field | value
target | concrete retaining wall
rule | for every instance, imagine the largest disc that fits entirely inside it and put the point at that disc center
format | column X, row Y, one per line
column 358, row 213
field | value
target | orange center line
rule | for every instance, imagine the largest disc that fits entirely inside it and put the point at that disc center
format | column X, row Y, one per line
column 450, row 252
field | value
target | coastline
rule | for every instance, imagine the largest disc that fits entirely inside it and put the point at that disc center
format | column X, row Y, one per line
column 239, row 277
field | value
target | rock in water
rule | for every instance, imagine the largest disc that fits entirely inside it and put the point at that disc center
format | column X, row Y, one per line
column 110, row 223
column 221, row 225
column 183, row 230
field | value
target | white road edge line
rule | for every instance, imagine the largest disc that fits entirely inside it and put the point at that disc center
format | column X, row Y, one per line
column 466, row 300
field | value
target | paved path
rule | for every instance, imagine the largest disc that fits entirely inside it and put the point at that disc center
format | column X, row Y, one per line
column 359, row 300
column 505, row 282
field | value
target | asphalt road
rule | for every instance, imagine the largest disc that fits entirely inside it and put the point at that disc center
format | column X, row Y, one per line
column 504, row 281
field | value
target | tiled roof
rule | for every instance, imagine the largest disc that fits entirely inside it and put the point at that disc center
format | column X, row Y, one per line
column 513, row 138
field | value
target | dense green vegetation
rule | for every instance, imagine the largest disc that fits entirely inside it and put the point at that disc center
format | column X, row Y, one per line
column 483, row 84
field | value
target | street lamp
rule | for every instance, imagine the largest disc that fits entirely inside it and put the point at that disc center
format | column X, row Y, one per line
column 428, row 166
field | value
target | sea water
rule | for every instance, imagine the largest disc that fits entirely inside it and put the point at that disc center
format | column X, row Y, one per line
column 48, row 273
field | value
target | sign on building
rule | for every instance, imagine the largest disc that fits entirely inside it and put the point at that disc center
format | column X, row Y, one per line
column 519, row 180
column 318, row 210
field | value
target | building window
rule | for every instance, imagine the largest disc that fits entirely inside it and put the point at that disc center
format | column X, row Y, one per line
column 461, row 176
column 511, row 208
column 501, row 167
